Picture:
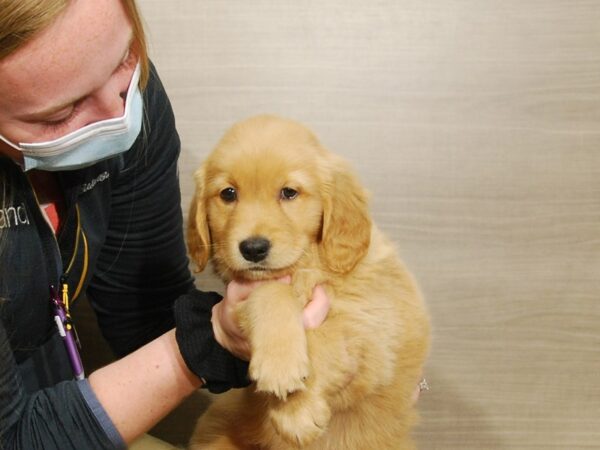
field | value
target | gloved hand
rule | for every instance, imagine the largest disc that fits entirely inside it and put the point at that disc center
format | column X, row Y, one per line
column 205, row 357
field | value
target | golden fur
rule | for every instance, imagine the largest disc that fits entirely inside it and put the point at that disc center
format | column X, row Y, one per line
column 347, row 384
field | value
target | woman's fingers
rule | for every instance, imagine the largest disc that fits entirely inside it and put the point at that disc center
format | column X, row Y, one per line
column 225, row 326
column 316, row 310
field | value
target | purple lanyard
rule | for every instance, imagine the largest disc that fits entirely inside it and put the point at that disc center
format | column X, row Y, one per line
column 66, row 330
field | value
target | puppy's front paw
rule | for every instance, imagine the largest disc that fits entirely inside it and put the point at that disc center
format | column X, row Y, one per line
column 280, row 369
column 271, row 317
column 300, row 422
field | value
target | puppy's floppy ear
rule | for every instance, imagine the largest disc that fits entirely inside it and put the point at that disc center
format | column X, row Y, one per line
column 198, row 235
column 346, row 231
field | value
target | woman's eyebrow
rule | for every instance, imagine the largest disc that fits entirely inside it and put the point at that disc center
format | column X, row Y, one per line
column 45, row 113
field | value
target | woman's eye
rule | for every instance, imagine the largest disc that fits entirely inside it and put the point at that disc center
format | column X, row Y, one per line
column 288, row 193
column 228, row 195
column 62, row 123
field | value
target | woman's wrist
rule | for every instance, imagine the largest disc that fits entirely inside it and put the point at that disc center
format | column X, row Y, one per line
column 138, row 390
column 219, row 369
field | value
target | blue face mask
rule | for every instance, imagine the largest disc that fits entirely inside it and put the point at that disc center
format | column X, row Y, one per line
column 90, row 144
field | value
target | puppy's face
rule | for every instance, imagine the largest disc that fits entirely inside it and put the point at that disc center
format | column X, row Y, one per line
column 262, row 200
column 270, row 194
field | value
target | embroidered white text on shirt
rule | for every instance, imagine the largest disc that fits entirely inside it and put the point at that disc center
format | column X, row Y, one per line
column 13, row 216
column 88, row 186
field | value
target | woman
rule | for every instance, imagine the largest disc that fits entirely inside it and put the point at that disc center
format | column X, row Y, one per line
column 91, row 205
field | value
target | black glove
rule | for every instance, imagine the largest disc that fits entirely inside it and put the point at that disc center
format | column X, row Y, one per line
column 219, row 369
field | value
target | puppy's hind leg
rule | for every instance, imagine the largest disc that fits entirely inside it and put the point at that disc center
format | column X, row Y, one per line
column 228, row 423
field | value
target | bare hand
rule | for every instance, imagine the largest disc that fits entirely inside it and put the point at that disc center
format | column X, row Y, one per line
column 227, row 331
column 316, row 310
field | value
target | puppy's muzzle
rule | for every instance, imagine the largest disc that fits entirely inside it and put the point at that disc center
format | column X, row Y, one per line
column 255, row 249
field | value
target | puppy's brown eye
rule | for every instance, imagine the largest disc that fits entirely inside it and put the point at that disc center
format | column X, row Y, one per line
column 288, row 193
column 228, row 195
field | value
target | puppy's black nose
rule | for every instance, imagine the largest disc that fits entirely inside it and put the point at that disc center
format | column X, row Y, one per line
column 255, row 249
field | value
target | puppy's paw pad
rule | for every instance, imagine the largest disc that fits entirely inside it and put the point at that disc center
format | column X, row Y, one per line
column 278, row 376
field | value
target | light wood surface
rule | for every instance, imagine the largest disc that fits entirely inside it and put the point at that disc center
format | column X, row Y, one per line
column 475, row 124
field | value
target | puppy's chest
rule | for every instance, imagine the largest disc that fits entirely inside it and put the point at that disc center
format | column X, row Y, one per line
column 304, row 282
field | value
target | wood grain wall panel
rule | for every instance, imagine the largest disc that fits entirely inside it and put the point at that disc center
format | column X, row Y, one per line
column 475, row 124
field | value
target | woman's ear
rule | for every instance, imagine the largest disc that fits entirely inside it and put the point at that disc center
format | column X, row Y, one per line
column 198, row 235
column 346, row 231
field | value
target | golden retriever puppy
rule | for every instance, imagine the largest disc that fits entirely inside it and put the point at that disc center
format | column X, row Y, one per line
column 270, row 201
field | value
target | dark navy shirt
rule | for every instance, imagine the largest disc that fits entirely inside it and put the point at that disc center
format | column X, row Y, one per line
column 120, row 246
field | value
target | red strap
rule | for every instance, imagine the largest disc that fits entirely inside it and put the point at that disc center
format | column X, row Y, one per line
column 53, row 216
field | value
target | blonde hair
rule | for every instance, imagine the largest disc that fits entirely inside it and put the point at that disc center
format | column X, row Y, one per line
column 21, row 20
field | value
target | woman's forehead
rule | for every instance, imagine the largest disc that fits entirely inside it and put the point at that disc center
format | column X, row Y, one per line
column 66, row 60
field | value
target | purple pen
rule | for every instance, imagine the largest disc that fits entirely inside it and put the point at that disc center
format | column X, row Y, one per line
column 66, row 331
